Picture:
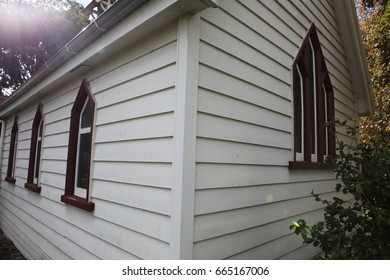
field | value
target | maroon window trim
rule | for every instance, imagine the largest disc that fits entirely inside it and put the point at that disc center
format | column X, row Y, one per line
column 35, row 156
column 323, row 107
column 78, row 202
column 69, row 197
column 310, row 165
column 12, row 153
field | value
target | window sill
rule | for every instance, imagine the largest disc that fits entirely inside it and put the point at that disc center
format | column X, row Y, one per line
column 78, row 202
column 10, row 180
column 310, row 165
column 32, row 187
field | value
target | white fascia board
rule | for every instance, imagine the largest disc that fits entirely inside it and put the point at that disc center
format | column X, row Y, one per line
column 357, row 63
column 148, row 18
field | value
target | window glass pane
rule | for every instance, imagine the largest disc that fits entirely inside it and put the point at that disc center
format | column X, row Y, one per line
column 12, row 150
column 83, row 161
column 298, row 110
column 40, row 129
column 14, row 155
column 37, row 159
column 86, row 117
column 325, row 96
column 38, row 152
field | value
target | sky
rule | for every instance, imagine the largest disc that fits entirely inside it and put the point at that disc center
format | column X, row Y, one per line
column 84, row 2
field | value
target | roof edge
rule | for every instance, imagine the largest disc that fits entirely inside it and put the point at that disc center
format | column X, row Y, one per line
column 118, row 11
column 356, row 56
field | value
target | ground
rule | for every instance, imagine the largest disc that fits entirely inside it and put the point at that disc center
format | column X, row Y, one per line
column 8, row 250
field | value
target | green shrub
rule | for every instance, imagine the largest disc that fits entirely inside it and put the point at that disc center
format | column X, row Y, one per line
column 356, row 228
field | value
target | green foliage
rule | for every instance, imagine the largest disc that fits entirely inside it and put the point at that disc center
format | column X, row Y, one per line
column 356, row 224
column 375, row 28
column 374, row 3
column 31, row 33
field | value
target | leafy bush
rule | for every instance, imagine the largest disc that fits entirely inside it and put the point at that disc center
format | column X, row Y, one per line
column 356, row 228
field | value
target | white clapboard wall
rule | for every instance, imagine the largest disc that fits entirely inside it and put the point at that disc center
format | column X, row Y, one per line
column 246, row 197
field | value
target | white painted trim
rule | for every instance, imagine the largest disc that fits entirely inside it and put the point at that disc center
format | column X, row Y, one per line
column 93, row 141
column 299, row 156
column 354, row 50
column 211, row 3
column 39, row 139
column 183, row 189
column 2, row 134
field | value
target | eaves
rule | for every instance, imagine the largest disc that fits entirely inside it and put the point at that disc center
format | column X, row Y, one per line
column 356, row 58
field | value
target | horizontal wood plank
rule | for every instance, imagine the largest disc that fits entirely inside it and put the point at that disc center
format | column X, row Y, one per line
column 215, row 127
column 224, row 106
column 217, row 151
column 156, row 200
column 221, row 223
column 153, row 150
column 243, row 241
column 147, row 174
column 152, row 104
column 156, row 126
column 242, row 197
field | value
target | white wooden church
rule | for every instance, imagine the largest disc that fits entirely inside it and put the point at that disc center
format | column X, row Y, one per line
column 182, row 129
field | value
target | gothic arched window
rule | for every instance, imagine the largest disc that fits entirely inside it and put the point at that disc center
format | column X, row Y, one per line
column 77, row 184
column 35, row 152
column 313, row 101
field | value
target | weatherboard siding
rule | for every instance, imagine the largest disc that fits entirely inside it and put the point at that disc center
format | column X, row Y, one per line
column 131, row 172
column 246, row 197
column 222, row 105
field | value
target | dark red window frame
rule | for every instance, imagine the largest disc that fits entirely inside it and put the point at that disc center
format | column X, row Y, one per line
column 318, row 108
column 12, row 153
column 69, row 197
column 35, row 152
